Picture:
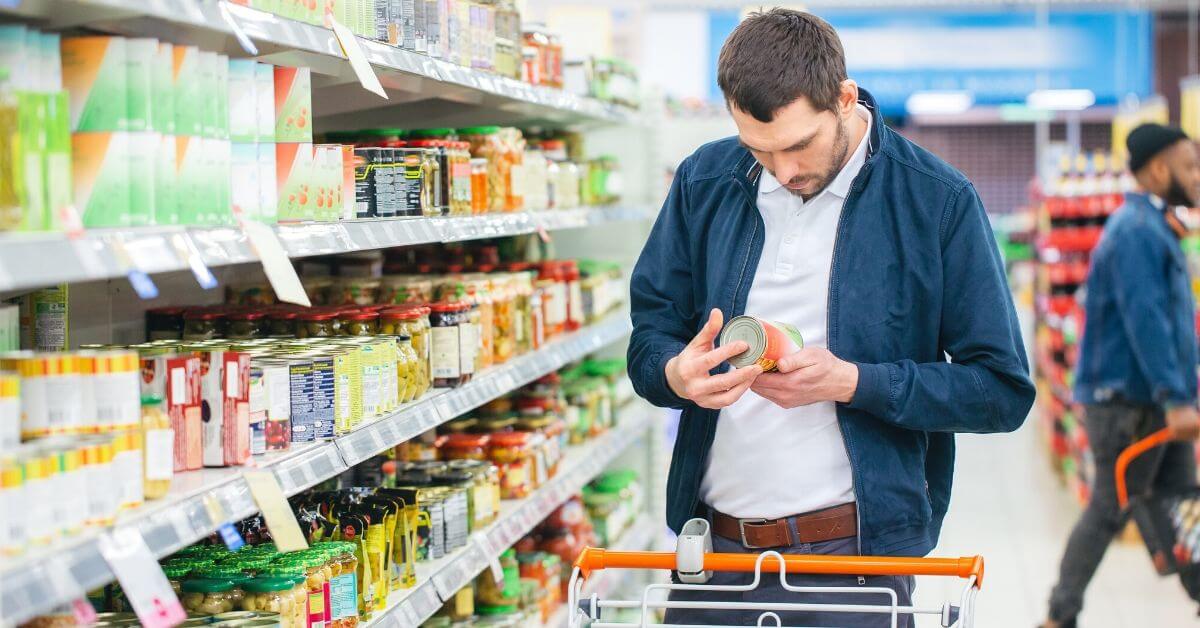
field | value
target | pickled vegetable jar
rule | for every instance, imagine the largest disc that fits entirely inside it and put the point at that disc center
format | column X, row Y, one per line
column 316, row 325
column 273, row 595
column 205, row 596
column 465, row 446
column 512, row 453
column 246, row 325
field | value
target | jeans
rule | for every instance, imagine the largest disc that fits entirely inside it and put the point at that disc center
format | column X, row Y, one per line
column 769, row 590
column 1111, row 427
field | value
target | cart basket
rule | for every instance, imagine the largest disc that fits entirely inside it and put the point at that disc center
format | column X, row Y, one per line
column 1169, row 521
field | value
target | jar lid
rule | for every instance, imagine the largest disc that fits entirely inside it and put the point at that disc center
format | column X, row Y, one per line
column 264, row 585
column 206, row 585
column 285, row 315
column 246, row 315
column 510, row 439
column 406, row 314
column 479, row 130
column 202, row 315
column 447, row 307
column 463, row 440
column 170, row 310
column 318, row 316
column 221, row 572
column 360, row 316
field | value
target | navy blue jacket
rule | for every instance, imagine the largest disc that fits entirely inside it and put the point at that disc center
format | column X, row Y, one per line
column 915, row 275
column 1139, row 340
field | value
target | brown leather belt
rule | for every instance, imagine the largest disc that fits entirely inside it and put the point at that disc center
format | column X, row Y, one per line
column 836, row 522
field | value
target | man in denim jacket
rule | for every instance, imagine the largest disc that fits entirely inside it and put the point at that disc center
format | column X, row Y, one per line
column 1137, row 364
column 881, row 254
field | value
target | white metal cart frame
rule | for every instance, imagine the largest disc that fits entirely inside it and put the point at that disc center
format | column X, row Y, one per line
column 695, row 566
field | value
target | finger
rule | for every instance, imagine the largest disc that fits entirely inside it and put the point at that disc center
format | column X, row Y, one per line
column 709, row 332
column 729, row 397
column 713, row 358
column 770, row 381
column 803, row 358
column 726, row 381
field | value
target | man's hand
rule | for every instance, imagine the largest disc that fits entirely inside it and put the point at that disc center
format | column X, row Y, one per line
column 808, row 376
column 1183, row 422
column 687, row 373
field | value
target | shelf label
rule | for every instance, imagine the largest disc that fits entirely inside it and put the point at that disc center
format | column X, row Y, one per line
column 280, row 520
column 141, row 578
column 186, row 249
column 358, row 60
column 280, row 272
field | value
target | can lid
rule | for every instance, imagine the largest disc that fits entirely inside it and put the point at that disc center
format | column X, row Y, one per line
column 749, row 330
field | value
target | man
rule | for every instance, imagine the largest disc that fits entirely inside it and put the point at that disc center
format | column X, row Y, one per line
column 819, row 215
column 1137, row 364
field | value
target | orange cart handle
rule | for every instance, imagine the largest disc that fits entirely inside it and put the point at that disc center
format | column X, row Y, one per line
column 1156, row 439
column 594, row 558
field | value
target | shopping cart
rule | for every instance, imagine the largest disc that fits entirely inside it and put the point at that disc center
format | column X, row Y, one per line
column 1169, row 521
column 694, row 563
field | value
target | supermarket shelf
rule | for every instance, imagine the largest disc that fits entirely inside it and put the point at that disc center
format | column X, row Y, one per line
column 32, row 260
column 438, row 580
column 200, row 501
column 436, row 92
column 639, row 537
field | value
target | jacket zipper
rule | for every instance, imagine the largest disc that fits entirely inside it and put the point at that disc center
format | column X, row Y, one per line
column 833, row 268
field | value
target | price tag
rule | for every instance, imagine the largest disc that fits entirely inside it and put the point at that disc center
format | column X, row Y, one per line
column 358, row 60
column 141, row 578
column 280, row 272
column 186, row 249
column 229, row 535
column 280, row 520
column 85, row 613
column 368, row 232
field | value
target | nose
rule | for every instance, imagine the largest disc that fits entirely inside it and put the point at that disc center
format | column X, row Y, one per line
column 785, row 171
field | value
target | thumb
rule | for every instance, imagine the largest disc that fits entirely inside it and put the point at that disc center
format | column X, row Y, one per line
column 709, row 332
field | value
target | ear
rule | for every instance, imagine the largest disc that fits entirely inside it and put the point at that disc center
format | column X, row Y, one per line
column 848, row 97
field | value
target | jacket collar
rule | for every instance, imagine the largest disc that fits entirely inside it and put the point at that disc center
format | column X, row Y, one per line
column 747, row 170
column 1157, row 206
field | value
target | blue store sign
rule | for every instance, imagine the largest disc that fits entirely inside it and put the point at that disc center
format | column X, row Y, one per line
column 996, row 56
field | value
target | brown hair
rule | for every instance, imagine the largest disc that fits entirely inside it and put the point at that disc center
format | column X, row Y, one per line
column 774, row 57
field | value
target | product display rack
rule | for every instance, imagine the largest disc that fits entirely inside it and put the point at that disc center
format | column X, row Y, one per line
column 641, row 536
column 32, row 260
column 439, row 93
column 440, row 579
column 202, row 500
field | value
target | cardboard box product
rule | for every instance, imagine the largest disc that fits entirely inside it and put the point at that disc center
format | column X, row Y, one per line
column 94, row 73
column 293, row 104
column 277, row 384
column 294, row 181
column 166, row 171
column 327, row 180
column 225, row 402
column 221, row 92
column 188, row 91
column 190, row 179
column 244, row 185
column 143, row 154
column 57, row 168
column 268, row 197
column 175, row 377
column 243, row 101
column 264, row 96
column 349, row 209
column 30, row 158
column 140, row 58
column 100, row 171
column 162, row 89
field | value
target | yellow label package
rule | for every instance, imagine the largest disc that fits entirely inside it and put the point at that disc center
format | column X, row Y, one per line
column 100, row 170
column 95, row 75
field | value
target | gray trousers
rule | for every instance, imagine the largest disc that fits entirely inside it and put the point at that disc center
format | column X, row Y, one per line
column 1111, row 427
column 769, row 590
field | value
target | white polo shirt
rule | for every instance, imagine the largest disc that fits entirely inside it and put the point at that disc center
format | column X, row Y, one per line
column 767, row 461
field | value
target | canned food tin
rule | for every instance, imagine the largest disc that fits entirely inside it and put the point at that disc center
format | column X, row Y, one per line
column 768, row 340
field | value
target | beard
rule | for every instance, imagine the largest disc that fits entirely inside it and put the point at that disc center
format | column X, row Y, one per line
column 841, row 148
column 1178, row 195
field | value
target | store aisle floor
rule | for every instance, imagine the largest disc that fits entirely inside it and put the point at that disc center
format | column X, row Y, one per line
column 1009, row 506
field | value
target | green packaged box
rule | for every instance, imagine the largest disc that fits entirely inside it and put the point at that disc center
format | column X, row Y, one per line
column 264, row 95
column 243, row 182
column 166, row 197
column 100, row 169
column 268, row 197
column 57, row 166
column 220, row 122
column 95, row 75
column 140, row 55
column 162, row 88
column 293, row 105
column 243, row 101
column 189, row 110
column 190, row 179
column 30, row 159
column 143, row 152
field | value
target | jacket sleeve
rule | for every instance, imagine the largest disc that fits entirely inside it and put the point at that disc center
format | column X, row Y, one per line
column 661, row 299
column 985, row 386
column 1144, row 300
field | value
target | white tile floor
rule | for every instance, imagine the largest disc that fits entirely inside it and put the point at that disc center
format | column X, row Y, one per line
column 1009, row 506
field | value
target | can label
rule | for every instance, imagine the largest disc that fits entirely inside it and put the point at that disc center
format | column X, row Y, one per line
column 769, row 341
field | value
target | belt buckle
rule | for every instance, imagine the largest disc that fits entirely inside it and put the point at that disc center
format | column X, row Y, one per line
column 742, row 531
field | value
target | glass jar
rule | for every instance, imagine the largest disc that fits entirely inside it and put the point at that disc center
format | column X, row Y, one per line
column 230, row 573
column 355, row 291
column 411, row 368
column 512, row 168
column 246, row 325
column 569, row 272
column 343, row 588
column 298, row 592
column 481, row 313
column 432, row 203
column 446, row 345
column 484, row 490
column 272, row 595
column 282, row 323
column 175, row 575
column 485, row 143
column 464, row 446
column 158, row 459
column 504, row 342
column 506, row 593
column 480, row 201
column 316, row 325
column 164, row 323
column 504, row 422
column 359, row 323
column 460, row 178
column 204, row 596
column 201, row 325
column 512, row 453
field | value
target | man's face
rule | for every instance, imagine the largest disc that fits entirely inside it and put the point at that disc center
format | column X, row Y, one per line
column 1183, row 169
column 802, row 148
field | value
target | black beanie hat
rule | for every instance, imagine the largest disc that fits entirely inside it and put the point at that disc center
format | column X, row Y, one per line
column 1148, row 140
